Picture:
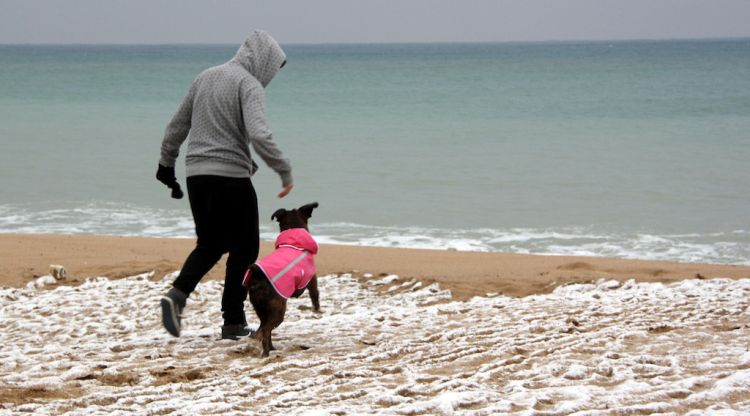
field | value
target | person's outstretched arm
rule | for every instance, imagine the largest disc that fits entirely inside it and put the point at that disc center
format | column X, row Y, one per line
column 177, row 130
column 261, row 138
column 174, row 135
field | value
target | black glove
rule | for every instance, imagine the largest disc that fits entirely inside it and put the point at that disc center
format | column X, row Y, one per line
column 166, row 176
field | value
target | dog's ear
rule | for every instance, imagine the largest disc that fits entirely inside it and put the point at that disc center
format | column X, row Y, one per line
column 279, row 214
column 307, row 209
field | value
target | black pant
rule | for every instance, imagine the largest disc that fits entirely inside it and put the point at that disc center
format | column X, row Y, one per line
column 225, row 211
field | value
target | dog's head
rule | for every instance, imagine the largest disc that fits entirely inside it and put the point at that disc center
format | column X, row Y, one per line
column 296, row 218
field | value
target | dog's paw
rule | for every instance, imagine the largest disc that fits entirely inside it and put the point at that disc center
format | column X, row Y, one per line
column 306, row 308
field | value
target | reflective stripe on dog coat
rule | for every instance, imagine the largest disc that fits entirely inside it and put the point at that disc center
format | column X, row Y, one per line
column 291, row 266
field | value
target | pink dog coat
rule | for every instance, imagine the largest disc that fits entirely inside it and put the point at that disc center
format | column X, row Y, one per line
column 291, row 266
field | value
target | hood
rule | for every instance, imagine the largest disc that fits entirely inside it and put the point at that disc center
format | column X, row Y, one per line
column 261, row 55
column 297, row 237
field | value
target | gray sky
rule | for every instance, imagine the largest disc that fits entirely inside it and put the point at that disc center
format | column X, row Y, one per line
column 353, row 21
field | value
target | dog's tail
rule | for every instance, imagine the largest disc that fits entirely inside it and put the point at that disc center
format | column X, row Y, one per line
column 248, row 276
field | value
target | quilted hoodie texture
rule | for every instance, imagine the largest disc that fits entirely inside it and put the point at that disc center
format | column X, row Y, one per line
column 224, row 113
column 291, row 266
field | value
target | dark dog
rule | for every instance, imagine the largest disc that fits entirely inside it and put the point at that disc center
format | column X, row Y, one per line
column 269, row 299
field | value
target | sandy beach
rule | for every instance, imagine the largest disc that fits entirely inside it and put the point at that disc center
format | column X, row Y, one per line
column 400, row 332
column 465, row 274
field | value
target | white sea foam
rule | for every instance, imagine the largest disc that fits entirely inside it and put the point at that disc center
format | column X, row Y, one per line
column 97, row 218
column 724, row 248
column 600, row 348
column 732, row 247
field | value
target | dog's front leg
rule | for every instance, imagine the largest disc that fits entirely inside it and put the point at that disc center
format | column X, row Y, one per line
column 312, row 287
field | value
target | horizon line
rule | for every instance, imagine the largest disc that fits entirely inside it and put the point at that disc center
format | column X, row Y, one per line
column 674, row 39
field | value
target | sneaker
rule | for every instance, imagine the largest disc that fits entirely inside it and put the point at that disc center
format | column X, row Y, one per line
column 235, row 332
column 172, row 305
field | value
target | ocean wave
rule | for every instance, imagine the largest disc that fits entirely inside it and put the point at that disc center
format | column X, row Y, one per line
column 730, row 247
column 104, row 218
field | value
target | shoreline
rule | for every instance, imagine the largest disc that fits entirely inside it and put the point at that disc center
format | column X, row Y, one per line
column 466, row 274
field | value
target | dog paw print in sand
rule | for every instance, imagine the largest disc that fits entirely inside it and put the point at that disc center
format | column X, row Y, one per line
column 169, row 375
column 122, row 379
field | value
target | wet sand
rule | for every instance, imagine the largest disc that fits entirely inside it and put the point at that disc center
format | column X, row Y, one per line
column 466, row 274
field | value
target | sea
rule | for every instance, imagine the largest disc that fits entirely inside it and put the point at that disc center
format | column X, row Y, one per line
column 626, row 149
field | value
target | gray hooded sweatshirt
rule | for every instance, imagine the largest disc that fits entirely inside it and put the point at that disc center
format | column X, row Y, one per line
column 224, row 113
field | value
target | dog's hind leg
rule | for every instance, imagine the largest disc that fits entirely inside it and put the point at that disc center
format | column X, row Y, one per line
column 263, row 334
column 276, row 309
column 265, row 339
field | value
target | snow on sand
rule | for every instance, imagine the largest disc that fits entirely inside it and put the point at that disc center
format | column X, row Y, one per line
column 390, row 346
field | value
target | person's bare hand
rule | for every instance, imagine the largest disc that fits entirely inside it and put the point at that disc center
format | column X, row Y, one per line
column 285, row 191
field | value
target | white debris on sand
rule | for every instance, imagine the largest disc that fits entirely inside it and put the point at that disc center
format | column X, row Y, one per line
column 594, row 349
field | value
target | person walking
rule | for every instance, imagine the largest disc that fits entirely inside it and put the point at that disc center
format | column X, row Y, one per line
column 222, row 116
